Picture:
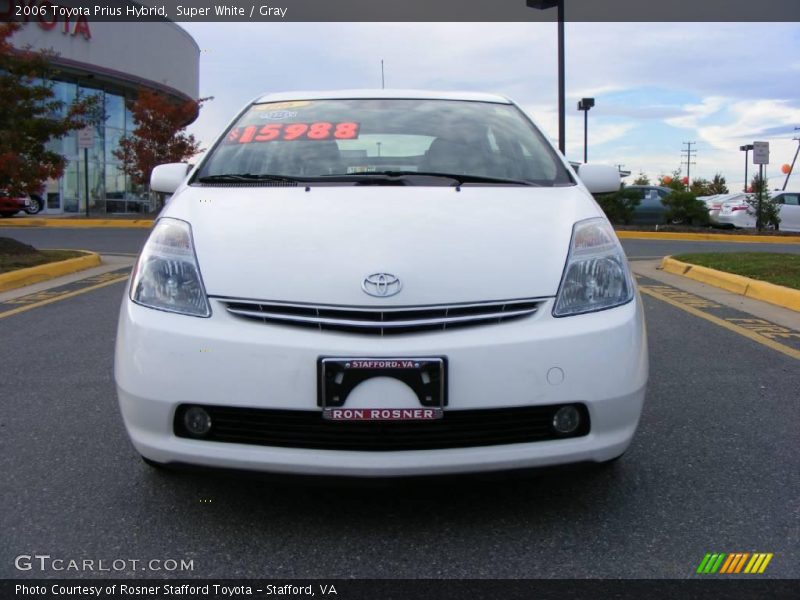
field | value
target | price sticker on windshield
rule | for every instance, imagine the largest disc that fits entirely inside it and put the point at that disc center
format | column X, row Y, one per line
column 289, row 132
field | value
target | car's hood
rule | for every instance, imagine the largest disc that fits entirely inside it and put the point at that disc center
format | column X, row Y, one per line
column 446, row 246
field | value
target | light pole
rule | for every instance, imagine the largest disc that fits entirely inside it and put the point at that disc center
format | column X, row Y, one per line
column 746, row 149
column 585, row 104
column 544, row 5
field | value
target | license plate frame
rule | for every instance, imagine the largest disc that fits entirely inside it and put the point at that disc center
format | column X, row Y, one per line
column 338, row 376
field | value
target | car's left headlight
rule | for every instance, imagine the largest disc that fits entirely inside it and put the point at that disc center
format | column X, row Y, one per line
column 596, row 276
column 167, row 275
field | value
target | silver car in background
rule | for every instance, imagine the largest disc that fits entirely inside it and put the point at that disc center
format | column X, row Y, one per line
column 738, row 212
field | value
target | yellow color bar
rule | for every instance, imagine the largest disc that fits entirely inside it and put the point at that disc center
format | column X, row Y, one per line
column 767, row 558
column 754, row 562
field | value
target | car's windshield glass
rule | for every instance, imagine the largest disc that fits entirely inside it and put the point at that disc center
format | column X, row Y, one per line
column 343, row 140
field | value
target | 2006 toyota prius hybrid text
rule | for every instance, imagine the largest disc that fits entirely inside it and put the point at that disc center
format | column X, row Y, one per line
column 381, row 283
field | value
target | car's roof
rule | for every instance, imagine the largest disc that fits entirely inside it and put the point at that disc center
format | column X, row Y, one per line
column 380, row 93
column 637, row 186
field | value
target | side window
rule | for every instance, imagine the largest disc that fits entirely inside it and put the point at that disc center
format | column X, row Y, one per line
column 790, row 199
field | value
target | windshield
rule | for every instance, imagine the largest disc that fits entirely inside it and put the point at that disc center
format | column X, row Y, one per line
column 342, row 140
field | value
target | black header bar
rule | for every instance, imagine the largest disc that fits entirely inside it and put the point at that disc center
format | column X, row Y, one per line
column 402, row 10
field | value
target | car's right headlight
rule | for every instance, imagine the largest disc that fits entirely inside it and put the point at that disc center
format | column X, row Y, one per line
column 596, row 276
column 167, row 275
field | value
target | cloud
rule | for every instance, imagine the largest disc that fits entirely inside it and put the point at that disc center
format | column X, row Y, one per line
column 656, row 84
column 693, row 114
column 752, row 119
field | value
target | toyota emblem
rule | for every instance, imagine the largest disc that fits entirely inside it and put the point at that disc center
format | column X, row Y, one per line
column 381, row 285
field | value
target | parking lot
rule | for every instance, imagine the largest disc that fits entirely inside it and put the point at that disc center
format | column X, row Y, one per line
column 714, row 466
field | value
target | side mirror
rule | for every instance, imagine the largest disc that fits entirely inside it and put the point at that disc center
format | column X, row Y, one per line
column 167, row 178
column 599, row 179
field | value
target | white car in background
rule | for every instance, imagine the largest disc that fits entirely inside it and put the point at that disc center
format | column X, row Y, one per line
column 741, row 214
column 714, row 203
column 789, row 209
column 381, row 283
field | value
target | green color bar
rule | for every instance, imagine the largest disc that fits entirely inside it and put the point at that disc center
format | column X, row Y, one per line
column 703, row 564
column 718, row 564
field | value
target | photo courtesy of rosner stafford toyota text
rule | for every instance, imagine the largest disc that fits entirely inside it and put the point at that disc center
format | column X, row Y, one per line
column 414, row 300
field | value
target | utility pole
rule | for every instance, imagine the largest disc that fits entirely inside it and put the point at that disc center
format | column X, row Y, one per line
column 687, row 154
column 794, row 160
column 383, row 81
column 746, row 149
column 562, row 111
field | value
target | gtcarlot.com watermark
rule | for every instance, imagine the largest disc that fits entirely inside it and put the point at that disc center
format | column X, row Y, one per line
column 48, row 563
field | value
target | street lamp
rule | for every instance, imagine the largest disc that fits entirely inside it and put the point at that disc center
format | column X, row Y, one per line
column 544, row 5
column 746, row 149
column 585, row 104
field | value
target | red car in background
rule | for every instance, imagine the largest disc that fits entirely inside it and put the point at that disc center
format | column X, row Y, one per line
column 9, row 206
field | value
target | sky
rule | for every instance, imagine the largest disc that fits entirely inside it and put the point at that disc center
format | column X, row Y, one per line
column 656, row 85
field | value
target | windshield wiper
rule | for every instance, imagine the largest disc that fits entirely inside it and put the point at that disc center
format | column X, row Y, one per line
column 246, row 178
column 402, row 176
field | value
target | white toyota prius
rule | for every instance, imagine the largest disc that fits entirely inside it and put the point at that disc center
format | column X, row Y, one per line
column 381, row 283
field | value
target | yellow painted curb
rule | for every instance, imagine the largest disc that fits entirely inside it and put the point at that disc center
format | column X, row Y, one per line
column 22, row 277
column 744, row 286
column 78, row 223
column 709, row 237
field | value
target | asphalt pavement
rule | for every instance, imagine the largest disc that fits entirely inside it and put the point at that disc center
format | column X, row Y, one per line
column 714, row 468
column 120, row 240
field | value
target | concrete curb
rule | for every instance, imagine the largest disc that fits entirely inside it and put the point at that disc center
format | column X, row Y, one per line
column 709, row 237
column 78, row 223
column 22, row 277
column 744, row 286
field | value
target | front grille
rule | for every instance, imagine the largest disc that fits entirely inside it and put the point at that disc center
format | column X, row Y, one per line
column 382, row 321
column 307, row 429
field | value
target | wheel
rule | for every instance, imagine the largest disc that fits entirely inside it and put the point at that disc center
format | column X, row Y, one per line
column 36, row 206
column 610, row 463
column 155, row 465
column 676, row 221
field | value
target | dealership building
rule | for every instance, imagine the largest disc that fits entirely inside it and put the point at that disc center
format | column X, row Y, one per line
column 113, row 61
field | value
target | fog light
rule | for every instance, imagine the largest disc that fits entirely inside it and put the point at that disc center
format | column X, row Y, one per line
column 566, row 419
column 197, row 421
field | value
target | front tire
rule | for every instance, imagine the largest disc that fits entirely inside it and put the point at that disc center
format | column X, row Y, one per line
column 609, row 464
column 36, row 206
column 161, row 467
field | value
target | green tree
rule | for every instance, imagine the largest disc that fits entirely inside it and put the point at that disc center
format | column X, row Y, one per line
column 718, row 185
column 757, row 185
column 673, row 181
column 684, row 207
column 700, row 187
column 30, row 116
column 620, row 206
column 641, row 179
column 767, row 211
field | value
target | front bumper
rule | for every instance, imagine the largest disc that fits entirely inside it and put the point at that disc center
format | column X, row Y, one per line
column 164, row 360
column 739, row 219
